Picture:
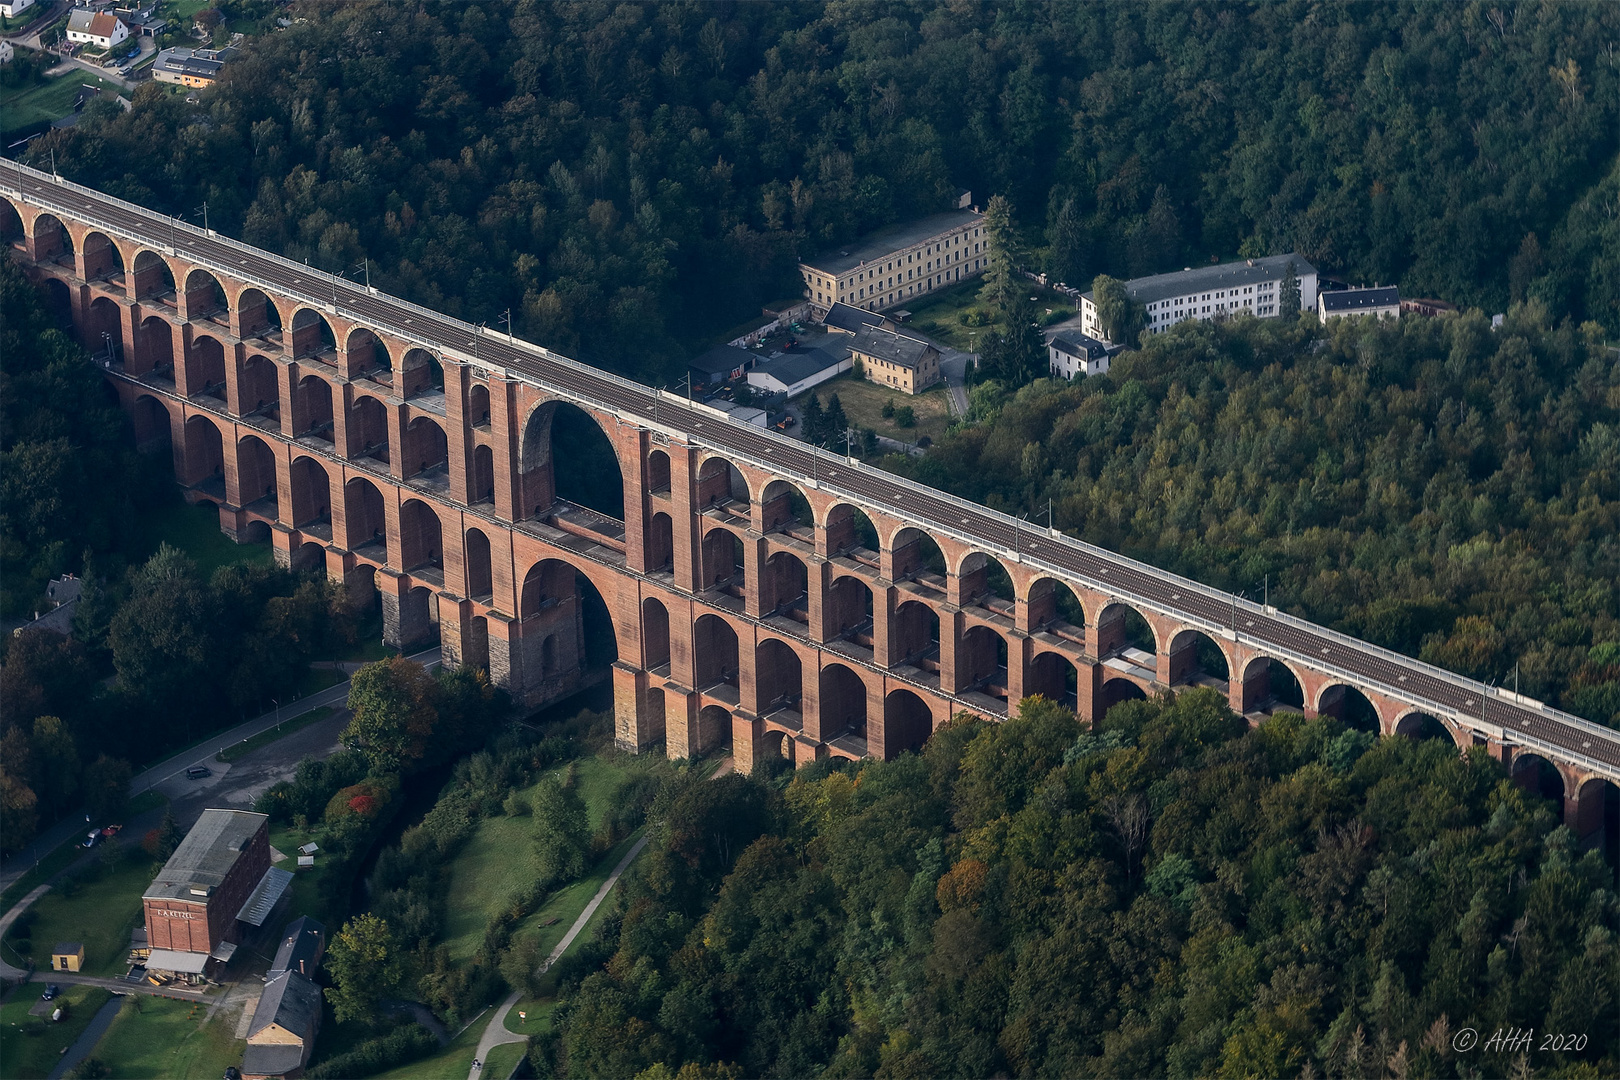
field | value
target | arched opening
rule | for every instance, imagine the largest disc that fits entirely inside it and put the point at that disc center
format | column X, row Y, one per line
column 786, row 584
column 205, row 453
column 783, row 506
column 310, row 556
column 907, row 722
column 311, row 493
column 426, row 449
column 256, row 316
column 714, row 649
column 253, row 532
column 773, row 745
column 365, row 520
column 1053, row 676
column 779, row 675
column 1420, row 725
column 204, row 295
column 917, row 558
column 720, row 483
column 1054, row 607
column 848, row 610
column 1122, row 631
column 714, row 729
column 11, row 225
column 102, row 259
column 312, row 335
column 1115, row 691
column 657, row 471
column 153, row 431
column 367, row 355
column 154, row 347
column 1285, row 686
column 982, row 663
column 153, row 278
column 654, row 633
column 661, row 544
column 483, row 478
column 480, row 567
column 1538, row 776
column 58, row 304
column 475, row 642
column 1349, row 706
column 723, row 562
column 314, row 408
column 986, row 582
column 205, row 367
column 421, row 538
column 259, row 389
column 558, row 601
column 255, row 471
column 1268, row 685
column 104, row 329
column 1195, row 660
column 1597, row 821
column 916, row 635
column 368, row 429
column 420, row 373
column 850, row 532
column 560, row 432
column 478, row 405
column 52, row 242
column 842, row 703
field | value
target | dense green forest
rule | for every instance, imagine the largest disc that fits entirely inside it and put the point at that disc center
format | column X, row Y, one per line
column 1172, row 895
column 631, row 179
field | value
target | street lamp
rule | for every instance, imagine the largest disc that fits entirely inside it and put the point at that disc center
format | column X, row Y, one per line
column 278, row 713
column 106, row 337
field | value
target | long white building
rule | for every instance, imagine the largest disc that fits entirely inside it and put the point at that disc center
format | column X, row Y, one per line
column 1251, row 287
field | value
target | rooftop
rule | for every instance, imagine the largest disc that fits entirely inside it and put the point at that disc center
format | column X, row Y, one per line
column 796, row 366
column 850, row 319
column 1147, row 290
column 1360, row 299
column 189, row 62
column 893, row 346
column 721, row 359
column 207, row 854
column 894, row 238
column 291, row 1001
column 301, row 942
column 1081, row 346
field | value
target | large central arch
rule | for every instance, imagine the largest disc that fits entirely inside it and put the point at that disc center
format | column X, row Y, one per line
column 559, row 432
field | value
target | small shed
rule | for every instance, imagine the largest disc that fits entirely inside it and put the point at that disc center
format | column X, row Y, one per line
column 67, row 956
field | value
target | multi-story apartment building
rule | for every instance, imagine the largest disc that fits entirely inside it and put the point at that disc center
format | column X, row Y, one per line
column 894, row 265
column 1251, row 287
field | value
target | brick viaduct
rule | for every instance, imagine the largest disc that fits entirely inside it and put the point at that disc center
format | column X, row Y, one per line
column 786, row 602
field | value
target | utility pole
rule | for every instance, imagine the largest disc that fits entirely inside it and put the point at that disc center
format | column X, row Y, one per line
column 506, row 317
column 1268, row 592
column 204, row 210
column 1049, row 527
column 366, row 263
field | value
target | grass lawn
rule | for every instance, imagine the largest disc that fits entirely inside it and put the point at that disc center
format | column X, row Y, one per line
column 158, row 1037
column 863, row 404
column 288, row 726
column 453, row 1061
column 503, row 1059
column 70, row 850
column 30, row 1045
column 939, row 316
column 100, row 913
column 21, row 106
column 305, row 891
column 195, row 531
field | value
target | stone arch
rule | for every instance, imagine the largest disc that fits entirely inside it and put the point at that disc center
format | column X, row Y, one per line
column 311, row 491
column 204, row 450
column 11, row 224
column 847, row 610
column 310, row 555
column 1268, row 683
column 58, row 302
column 774, row 744
column 364, row 516
column 720, row 482
column 368, row 428
column 366, row 352
column 560, row 603
column 205, row 367
column 102, row 259
column 724, row 561
column 313, row 409
column 1416, row 724
column 426, row 449
column 1053, row 676
column 782, row 506
column 981, row 659
column 154, row 346
column 103, row 330
column 841, row 700
column 714, row 649
column 256, row 316
column 1119, row 627
column 654, row 633
column 660, row 543
column 154, row 428
column 907, row 722
column 255, row 470
column 421, row 536
column 986, row 581
column 786, row 587
column 311, row 334
column 1539, row 776
column 778, row 676
column 480, row 565
column 1053, row 604
column 419, row 373
column 153, row 278
column 915, row 626
column 548, row 583
column 1115, row 691
column 1198, row 659
column 253, row 532
column 475, row 642
column 478, row 404
column 51, row 240
column 1597, row 818
column 594, row 477
column 848, row 529
column 917, row 555
column 204, row 294
column 259, row 388
column 657, row 471
column 1349, row 706
column 713, row 729
column 483, row 477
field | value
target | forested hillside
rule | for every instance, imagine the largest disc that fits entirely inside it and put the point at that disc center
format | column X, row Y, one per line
column 1173, row 895
column 631, row 179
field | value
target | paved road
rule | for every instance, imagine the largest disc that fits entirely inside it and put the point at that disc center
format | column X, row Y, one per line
column 88, row 1038
column 1284, row 637
column 9, row 971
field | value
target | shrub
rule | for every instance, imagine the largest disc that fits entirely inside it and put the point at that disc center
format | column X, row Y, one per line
column 399, row 1047
column 905, row 416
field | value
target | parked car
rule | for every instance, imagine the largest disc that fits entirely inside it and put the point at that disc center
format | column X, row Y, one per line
column 90, row 841
column 50, row 992
column 197, row 772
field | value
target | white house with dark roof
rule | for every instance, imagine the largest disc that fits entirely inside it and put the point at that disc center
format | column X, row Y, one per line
column 1383, row 302
column 1251, row 287
column 1072, row 353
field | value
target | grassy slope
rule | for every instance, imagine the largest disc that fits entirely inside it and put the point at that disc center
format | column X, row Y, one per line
column 30, row 1045
column 158, row 1037
column 195, row 531
column 453, row 1061
column 863, row 404
column 101, row 915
